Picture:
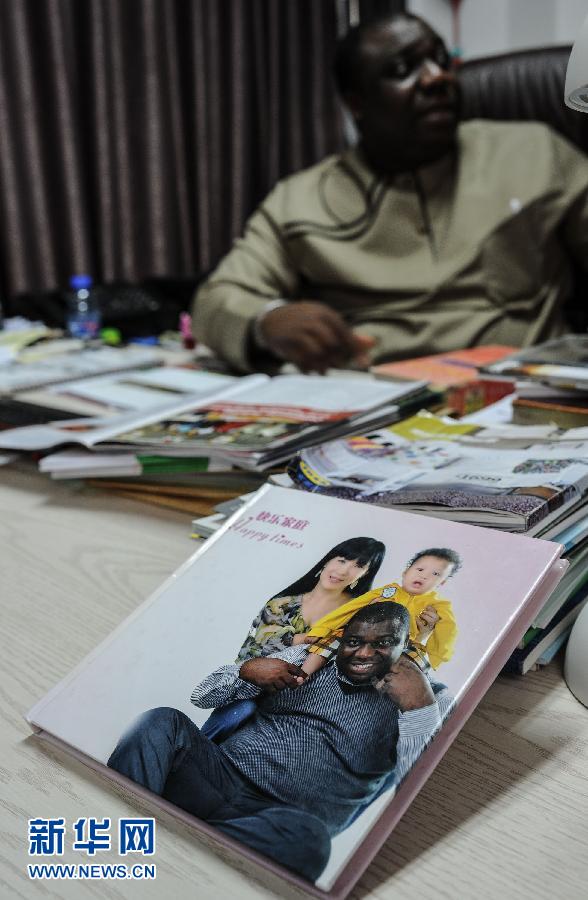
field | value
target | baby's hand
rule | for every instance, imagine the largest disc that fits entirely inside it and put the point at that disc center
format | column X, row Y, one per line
column 303, row 639
column 426, row 623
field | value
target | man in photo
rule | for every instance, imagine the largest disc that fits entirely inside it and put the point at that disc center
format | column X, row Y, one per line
column 315, row 753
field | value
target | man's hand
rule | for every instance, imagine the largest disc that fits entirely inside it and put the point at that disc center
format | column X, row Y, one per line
column 313, row 336
column 406, row 685
column 426, row 623
column 272, row 674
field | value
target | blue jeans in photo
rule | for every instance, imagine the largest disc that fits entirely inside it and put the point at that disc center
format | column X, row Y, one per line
column 167, row 753
column 226, row 719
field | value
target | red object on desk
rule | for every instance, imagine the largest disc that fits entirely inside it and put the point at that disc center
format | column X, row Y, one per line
column 188, row 339
column 445, row 369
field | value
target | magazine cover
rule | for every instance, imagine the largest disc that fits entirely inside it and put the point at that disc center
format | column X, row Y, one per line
column 454, row 367
column 291, row 687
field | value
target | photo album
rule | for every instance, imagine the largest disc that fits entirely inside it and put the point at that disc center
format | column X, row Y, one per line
column 291, row 687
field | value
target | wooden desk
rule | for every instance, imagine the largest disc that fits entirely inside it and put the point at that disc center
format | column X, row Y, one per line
column 505, row 814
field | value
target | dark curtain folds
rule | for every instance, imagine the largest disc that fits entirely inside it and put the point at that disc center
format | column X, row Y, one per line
column 137, row 135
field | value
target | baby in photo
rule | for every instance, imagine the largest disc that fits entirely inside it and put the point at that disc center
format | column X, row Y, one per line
column 433, row 629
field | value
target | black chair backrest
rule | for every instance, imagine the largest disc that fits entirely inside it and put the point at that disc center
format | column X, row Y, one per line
column 519, row 86
column 529, row 85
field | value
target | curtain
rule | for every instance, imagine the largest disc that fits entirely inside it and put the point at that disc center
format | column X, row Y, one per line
column 137, row 135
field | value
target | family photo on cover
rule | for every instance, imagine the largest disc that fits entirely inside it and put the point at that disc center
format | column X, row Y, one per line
column 332, row 697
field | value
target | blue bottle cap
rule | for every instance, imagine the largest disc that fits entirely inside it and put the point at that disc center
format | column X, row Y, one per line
column 78, row 282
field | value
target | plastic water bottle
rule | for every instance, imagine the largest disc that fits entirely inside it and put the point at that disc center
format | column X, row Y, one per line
column 83, row 313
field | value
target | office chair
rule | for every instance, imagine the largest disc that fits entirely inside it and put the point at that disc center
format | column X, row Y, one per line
column 529, row 85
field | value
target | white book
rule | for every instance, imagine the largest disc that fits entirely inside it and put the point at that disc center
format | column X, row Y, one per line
column 340, row 756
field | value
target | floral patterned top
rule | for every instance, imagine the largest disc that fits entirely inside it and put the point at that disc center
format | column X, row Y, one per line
column 274, row 627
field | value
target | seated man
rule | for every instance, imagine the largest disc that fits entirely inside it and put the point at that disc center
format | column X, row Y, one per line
column 315, row 752
column 430, row 235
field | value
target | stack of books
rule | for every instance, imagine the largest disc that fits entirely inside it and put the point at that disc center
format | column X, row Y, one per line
column 552, row 381
column 457, row 377
column 514, row 478
column 193, row 450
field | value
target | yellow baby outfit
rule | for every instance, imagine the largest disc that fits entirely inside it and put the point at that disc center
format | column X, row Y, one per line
column 440, row 645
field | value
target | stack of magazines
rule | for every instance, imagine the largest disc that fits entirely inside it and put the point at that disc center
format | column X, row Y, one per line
column 253, row 423
column 531, row 480
column 552, row 381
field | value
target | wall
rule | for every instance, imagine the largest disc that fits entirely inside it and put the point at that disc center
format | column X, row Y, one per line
column 502, row 25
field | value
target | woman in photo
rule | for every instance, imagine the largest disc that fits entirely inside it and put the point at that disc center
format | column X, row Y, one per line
column 345, row 572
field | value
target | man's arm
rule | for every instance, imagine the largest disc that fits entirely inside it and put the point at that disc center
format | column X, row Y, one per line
column 245, row 681
column 421, row 711
column 235, row 312
column 416, row 728
column 256, row 271
column 572, row 167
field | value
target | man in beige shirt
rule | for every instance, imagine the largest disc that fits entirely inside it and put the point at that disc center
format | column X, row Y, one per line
column 430, row 235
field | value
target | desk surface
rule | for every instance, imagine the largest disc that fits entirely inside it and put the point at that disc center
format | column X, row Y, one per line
column 504, row 815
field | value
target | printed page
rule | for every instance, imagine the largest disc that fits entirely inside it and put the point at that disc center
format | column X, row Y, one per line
column 335, row 395
column 145, row 390
column 184, row 381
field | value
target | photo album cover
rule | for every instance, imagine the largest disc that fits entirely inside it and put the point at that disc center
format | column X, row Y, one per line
column 291, row 687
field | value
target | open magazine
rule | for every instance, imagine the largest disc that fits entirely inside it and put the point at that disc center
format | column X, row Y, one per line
column 290, row 688
column 252, row 422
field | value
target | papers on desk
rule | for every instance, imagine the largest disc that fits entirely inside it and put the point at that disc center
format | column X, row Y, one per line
column 22, row 374
column 561, row 363
column 253, row 422
column 18, row 334
column 135, row 390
